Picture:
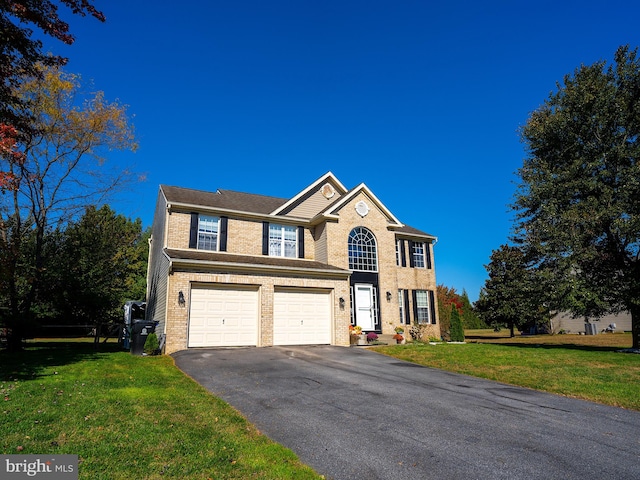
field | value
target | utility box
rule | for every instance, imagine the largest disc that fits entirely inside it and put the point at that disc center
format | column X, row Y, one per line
column 132, row 311
column 140, row 329
column 590, row 329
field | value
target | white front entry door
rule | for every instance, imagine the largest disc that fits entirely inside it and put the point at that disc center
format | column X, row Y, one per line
column 365, row 315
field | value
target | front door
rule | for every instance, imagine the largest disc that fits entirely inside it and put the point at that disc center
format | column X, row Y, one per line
column 365, row 306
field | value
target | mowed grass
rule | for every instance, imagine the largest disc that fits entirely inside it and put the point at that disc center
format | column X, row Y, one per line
column 129, row 417
column 587, row 367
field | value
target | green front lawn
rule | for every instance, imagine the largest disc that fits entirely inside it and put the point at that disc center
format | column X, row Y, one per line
column 140, row 417
column 129, row 417
column 587, row 367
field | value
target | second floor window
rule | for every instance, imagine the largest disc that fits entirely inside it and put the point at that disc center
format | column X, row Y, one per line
column 419, row 254
column 208, row 232
column 363, row 255
column 283, row 241
column 401, row 257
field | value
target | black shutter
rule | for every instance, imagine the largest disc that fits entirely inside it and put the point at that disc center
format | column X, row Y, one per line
column 265, row 238
column 407, row 313
column 427, row 253
column 432, row 306
column 224, row 221
column 193, row 231
column 412, row 263
column 300, row 242
column 414, row 297
column 403, row 254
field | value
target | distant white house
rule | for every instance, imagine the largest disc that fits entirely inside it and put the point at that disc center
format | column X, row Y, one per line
column 564, row 322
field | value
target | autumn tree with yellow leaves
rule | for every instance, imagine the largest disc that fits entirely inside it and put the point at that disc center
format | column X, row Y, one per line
column 60, row 169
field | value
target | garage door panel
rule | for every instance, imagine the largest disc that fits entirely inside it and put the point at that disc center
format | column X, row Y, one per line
column 301, row 318
column 223, row 317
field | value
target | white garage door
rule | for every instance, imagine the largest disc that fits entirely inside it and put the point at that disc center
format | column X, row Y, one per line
column 223, row 317
column 301, row 318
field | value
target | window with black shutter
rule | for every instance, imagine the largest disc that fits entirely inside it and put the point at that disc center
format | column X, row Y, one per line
column 300, row 242
column 224, row 222
column 401, row 256
column 432, row 306
column 207, row 232
column 282, row 240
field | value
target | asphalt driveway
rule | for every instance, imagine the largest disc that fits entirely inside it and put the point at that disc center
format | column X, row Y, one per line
column 353, row 414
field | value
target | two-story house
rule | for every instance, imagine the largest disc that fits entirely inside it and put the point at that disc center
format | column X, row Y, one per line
column 233, row 269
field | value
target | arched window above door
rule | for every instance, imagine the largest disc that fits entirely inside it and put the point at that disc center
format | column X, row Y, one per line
column 363, row 253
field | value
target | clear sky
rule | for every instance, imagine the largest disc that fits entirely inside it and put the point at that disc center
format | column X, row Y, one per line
column 420, row 100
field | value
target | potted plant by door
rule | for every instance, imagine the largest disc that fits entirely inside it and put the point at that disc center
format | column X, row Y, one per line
column 353, row 338
column 356, row 336
column 398, row 338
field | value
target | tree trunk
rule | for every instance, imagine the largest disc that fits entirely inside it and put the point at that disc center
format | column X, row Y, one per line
column 512, row 329
column 15, row 335
column 635, row 327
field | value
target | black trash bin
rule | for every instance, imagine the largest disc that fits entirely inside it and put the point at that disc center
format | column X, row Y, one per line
column 140, row 329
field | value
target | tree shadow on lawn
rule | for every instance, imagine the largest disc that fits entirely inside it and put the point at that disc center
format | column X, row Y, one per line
column 556, row 346
column 37, row 356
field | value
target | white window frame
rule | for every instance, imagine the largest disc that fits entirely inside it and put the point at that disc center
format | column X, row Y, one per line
column 362, row 250
column 401, row 305
column 283, row 241
column 423, row 310
column 419, row 252
column 208, row 233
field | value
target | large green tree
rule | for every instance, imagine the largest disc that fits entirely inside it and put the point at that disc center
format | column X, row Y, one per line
column 457, row 329
column 448, row 297
column 91, row 266
column 104, row 263
column 578, row 203
column 511, row 295
column 470, row 318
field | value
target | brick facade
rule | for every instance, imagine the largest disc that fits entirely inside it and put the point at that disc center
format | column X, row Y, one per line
column 177, row 328
column 324, row 265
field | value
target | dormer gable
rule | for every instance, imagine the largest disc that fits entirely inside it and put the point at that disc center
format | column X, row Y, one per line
column 333, row 211
column 314, row 199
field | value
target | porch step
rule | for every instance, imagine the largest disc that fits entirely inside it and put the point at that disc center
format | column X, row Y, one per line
column 385, row 338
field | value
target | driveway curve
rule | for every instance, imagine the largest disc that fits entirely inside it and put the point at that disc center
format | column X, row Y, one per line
column 354, row 414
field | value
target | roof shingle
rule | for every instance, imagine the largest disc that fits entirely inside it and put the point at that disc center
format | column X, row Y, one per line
column 265, row 261
column 223, row 199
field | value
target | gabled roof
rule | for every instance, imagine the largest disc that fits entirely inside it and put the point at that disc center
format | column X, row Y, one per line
column 333, row 209
column 222, row 199
column 326, row 178
column 250, row 203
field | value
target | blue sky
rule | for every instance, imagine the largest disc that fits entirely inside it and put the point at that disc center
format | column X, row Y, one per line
column 419, row 100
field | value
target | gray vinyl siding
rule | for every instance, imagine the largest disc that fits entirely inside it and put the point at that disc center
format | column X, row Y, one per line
column 312, row 205
column 157, row 284
column 320, row 240
column 158, row 272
